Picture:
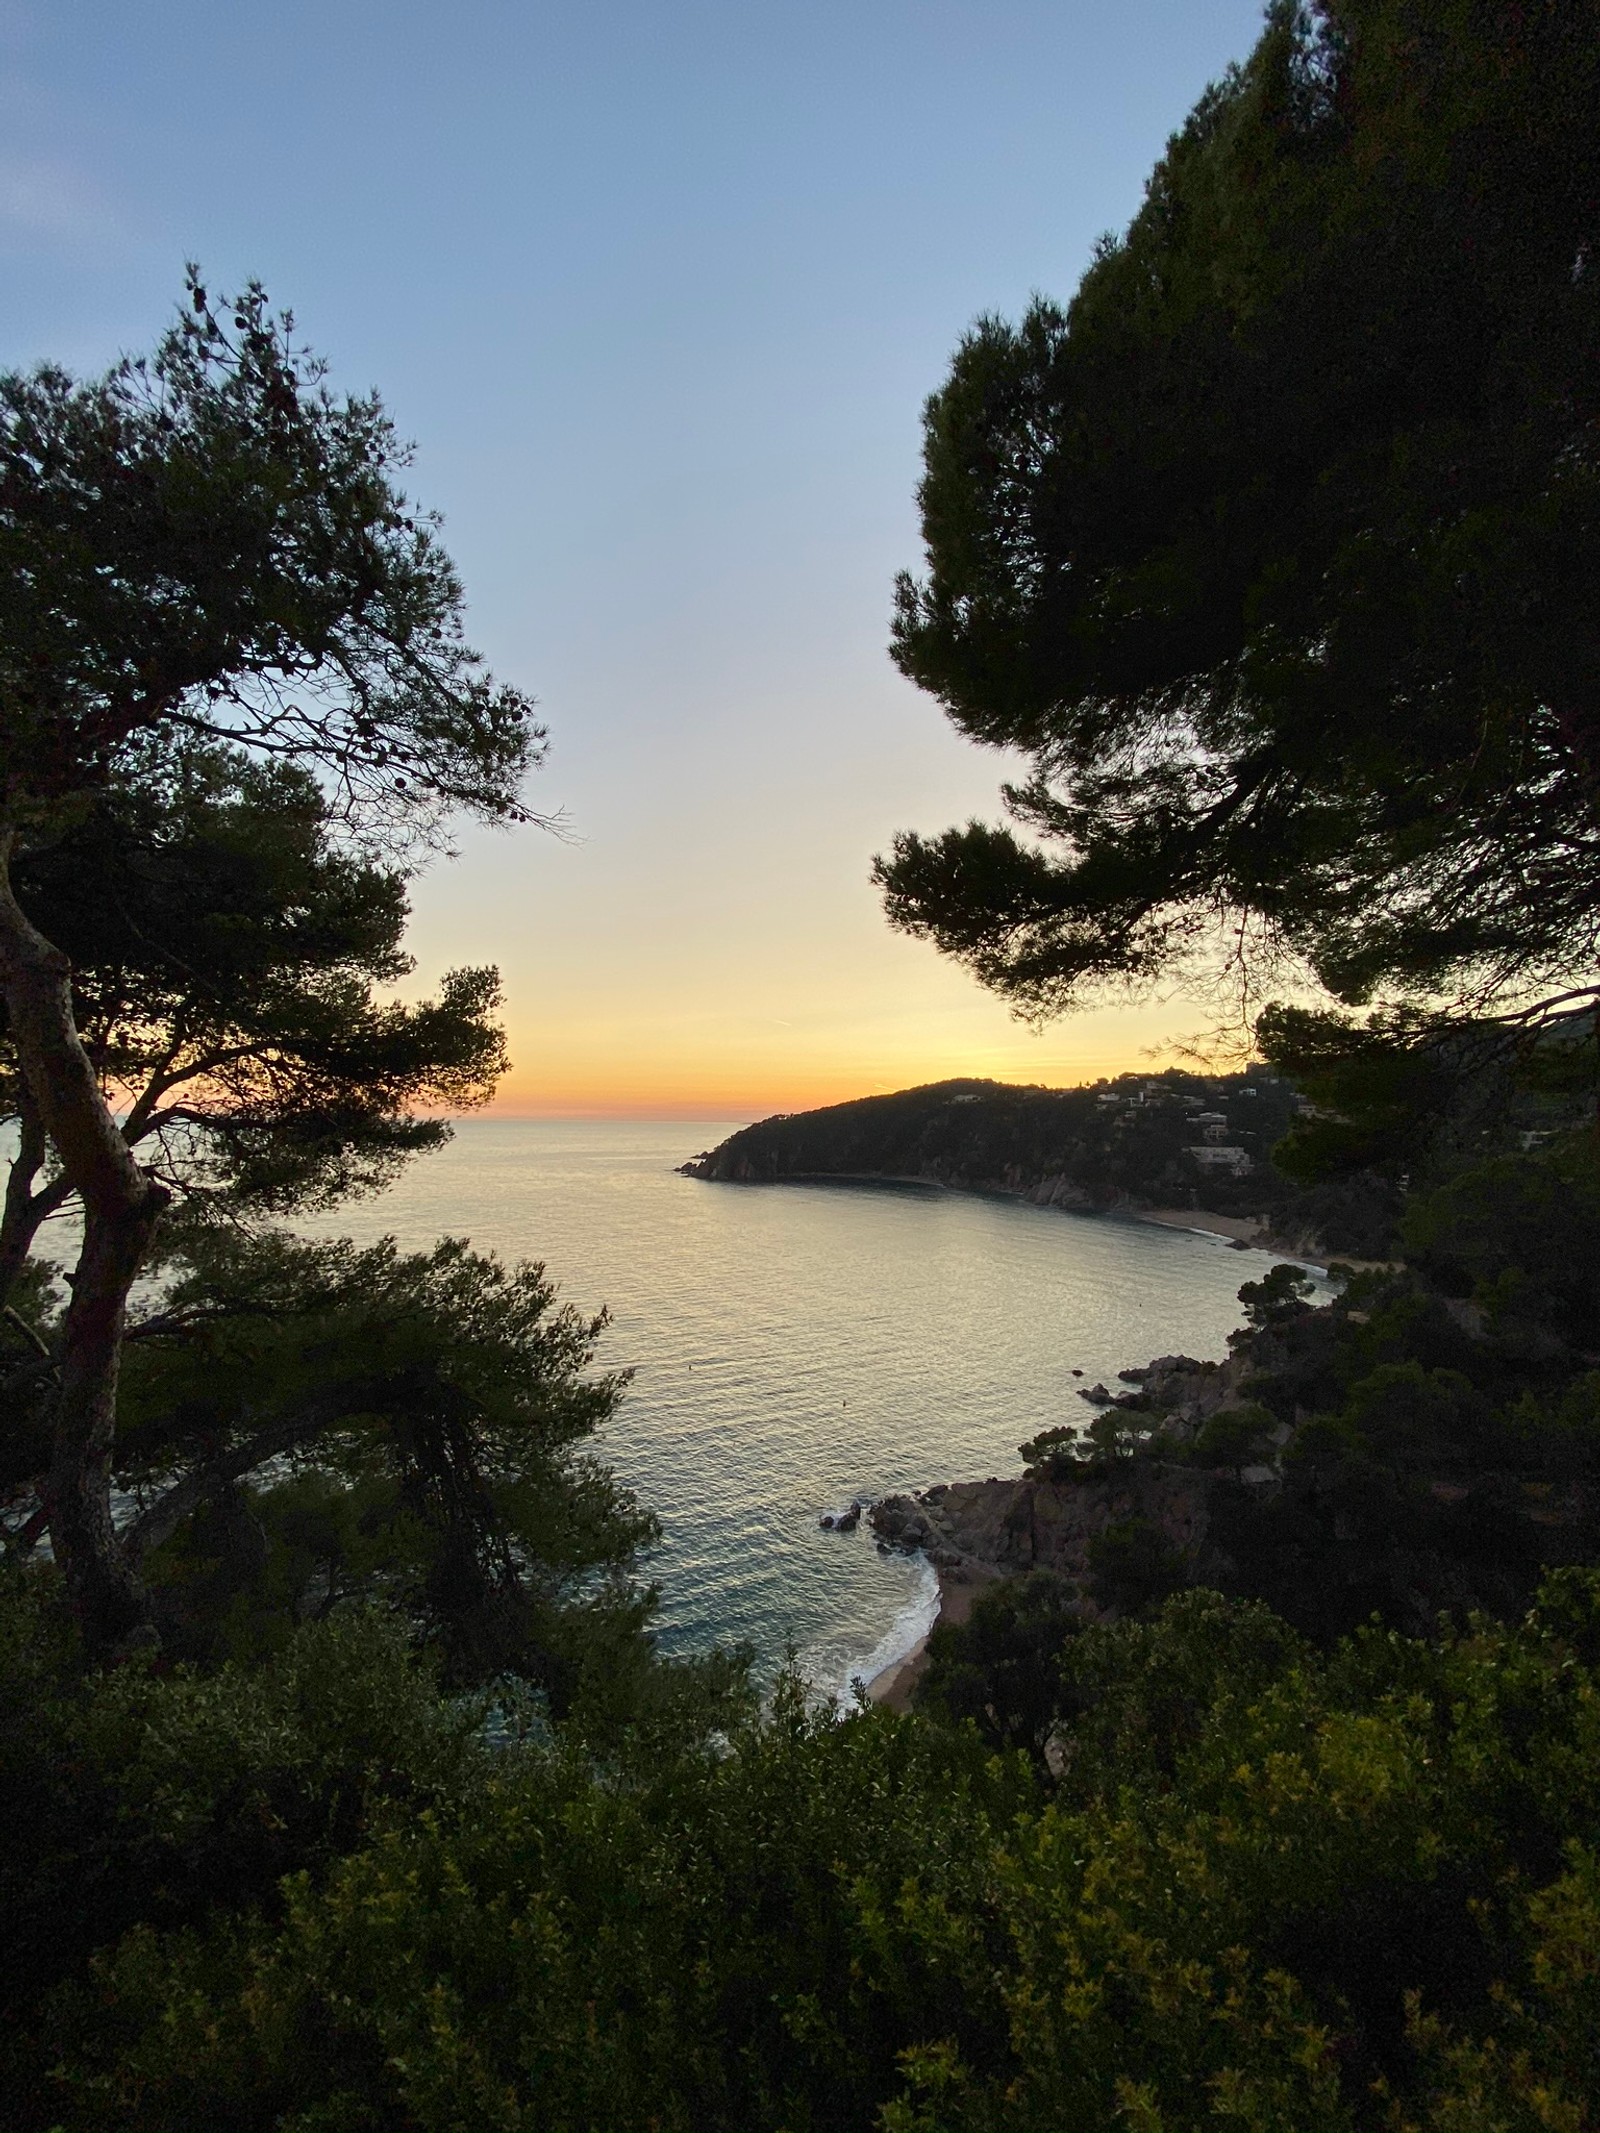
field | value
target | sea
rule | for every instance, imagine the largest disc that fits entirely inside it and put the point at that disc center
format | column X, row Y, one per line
column 796, row 1346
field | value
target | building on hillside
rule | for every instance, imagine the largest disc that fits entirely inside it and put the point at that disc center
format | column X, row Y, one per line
column 1236, row 1161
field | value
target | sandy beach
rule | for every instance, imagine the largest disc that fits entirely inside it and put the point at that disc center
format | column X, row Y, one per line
column 958, row 1589
column 1243, row 1229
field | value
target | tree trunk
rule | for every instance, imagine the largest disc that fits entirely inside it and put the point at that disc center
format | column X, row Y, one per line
column 121, row 1207
column 24, row 1209
column 17, row 1227
column 106, row 1592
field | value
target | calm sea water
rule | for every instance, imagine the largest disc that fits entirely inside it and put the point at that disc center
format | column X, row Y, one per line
column 796, row 1345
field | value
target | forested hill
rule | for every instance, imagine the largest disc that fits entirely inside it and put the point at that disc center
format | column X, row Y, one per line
column 1172, row 1140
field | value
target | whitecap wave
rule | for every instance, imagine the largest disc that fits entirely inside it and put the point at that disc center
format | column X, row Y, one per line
column 911, row 1624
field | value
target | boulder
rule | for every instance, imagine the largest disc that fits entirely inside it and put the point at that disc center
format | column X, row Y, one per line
column 900, row 1522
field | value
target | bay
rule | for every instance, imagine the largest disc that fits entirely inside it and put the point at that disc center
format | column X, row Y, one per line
column 797, row 1345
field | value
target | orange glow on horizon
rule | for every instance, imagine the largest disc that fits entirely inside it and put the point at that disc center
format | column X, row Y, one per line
column 651, row 1094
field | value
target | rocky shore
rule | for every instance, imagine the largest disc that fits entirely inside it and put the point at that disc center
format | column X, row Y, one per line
column 974, row 1532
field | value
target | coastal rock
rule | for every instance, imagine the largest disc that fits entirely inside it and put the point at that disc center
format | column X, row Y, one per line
column 1010, row 1527
column 1057, row 1191
column 1185, row 1393
column 1016, row 1526
column 901, row 1522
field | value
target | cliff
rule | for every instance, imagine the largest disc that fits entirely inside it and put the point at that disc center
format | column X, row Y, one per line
column 1031, row 1524
column 970, row 1529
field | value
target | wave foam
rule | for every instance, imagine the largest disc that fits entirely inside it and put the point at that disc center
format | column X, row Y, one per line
column 911, row 1624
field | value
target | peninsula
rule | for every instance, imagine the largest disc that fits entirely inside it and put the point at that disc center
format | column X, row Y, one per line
column 1175, row 1146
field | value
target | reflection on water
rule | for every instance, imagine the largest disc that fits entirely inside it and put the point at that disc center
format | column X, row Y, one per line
column 798, row 1345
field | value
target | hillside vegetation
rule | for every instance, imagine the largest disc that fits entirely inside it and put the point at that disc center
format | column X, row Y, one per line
column 1170, row 1140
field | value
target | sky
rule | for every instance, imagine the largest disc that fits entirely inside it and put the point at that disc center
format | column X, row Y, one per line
column 658, row 290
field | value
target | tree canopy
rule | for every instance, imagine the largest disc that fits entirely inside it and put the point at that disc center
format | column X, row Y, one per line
column 235, row 697
column 1274, row 551
column 209, row 542
column 307, row 1427
column 224, row 952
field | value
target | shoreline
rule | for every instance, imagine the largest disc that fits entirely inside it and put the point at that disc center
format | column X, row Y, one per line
column 1238, row 1230
column 892, row 1688
column 895, row 1684
column 1244, row 1231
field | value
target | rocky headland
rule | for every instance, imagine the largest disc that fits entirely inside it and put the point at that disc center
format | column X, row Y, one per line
column 1182, row 1149
column 1344, row 1462
column 974, row 1532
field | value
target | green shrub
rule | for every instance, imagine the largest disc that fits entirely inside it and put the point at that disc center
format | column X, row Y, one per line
column 1268, row 1890
column 1000, row 1670
column 1133, row 1566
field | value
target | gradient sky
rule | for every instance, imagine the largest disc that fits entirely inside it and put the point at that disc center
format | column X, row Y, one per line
column 659, row 290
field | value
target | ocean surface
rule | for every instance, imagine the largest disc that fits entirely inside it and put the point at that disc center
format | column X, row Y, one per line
column 797, row 1345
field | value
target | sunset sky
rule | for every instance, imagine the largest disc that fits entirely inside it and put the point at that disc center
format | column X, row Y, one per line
column 658, row 289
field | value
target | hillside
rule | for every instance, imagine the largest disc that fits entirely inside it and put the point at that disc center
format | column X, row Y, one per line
column 1173, row 1140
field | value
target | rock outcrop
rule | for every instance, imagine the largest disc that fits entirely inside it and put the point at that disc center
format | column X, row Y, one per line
column 1008, row 1527
column 1021, row 1525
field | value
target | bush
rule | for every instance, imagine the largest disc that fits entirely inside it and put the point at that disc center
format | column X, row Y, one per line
column 1133, row 1566
column 157, row 1802
column 1000, row 1669
column 1235, row 1437
column 701, row 1940
column 1268, row 1889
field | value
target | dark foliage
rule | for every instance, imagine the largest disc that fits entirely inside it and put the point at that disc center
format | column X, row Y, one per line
column 207, row 543
column 999, row 1670
column 314, row 1427
column 1262, row 1889
column 226, row 955
column 1131, row 1138
column 207, row 567
column 1273, row 550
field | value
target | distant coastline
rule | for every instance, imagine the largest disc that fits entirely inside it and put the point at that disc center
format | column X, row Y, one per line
column 1181, row 1150
column 1246, row 1232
